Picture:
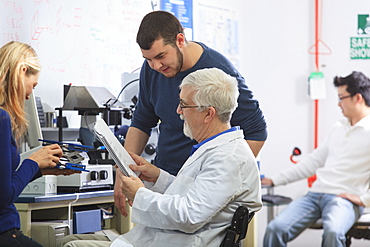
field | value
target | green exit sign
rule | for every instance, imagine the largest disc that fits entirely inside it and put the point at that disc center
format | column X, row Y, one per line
column 360, row 48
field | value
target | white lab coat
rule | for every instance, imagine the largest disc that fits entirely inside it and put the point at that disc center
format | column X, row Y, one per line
column 196, row 207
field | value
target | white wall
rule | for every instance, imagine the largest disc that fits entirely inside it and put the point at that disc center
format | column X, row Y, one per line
column 276, row 36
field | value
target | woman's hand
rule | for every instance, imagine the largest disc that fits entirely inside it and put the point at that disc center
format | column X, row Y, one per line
column 47, row 156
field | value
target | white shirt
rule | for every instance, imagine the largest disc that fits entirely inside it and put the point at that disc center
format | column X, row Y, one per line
column 341, row 162
column 196, row 207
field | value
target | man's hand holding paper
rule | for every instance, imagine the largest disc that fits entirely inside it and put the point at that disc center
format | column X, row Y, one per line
column 148, row 172
column 130, row 185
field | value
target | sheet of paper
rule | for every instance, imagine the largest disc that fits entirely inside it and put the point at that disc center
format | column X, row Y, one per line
column 115, row 148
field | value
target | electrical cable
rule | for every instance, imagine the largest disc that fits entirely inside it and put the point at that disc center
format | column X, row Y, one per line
column 116, row 99
column 135, row 70
column 70, row 210
column 124, row 87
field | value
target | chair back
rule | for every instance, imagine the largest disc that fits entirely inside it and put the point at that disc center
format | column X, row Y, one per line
column 239, row 227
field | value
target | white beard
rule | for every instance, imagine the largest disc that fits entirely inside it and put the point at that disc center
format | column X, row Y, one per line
column 186, row 129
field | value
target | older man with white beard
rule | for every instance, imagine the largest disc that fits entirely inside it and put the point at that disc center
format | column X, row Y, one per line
column 195, row 207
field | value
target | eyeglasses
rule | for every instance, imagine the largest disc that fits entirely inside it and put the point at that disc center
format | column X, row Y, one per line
column 182, row 106
column 344, row 97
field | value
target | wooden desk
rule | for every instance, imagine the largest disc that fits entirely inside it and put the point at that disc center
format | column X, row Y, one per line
column 25, row 204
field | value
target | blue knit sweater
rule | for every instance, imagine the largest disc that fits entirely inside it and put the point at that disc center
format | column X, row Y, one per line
column 12, row 181
column 159, row 98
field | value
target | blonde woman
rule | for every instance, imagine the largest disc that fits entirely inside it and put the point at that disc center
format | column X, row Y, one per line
column 19, row 72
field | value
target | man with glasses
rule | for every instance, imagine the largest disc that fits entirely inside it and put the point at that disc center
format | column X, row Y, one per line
column 194, row 208
column 342, row 167
column 169, row 57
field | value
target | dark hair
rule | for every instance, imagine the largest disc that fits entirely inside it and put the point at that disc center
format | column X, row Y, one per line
column 156, row 25
column 356, row 83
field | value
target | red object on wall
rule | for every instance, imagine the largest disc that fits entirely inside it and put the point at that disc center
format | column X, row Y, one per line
column 296, row 152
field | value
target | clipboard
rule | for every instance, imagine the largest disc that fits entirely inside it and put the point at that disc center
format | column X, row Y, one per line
column 115, row 148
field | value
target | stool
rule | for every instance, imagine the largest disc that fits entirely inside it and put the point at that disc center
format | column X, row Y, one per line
column 361, row 229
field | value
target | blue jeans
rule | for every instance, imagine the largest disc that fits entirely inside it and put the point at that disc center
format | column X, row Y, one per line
column 15, row 238
column 338, row 216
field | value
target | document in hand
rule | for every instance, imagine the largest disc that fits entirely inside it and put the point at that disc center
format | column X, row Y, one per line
column 115, row 148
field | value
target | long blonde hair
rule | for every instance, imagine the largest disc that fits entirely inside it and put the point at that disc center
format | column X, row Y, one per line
column 14, row 56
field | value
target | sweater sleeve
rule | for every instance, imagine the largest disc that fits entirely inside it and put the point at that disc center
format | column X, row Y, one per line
column 248, row 114
column 144, row 117
column 12, row 181
column 305, row 168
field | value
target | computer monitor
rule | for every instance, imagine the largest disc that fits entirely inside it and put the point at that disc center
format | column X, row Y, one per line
column 34, row 133
column 34, row 129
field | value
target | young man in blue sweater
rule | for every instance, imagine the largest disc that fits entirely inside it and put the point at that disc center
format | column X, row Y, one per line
column 169, row 58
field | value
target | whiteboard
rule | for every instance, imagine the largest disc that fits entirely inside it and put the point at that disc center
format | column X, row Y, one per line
column 79, row 42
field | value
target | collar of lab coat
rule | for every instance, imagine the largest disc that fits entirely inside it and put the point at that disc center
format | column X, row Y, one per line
column 197, row 146
column 219, row 140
